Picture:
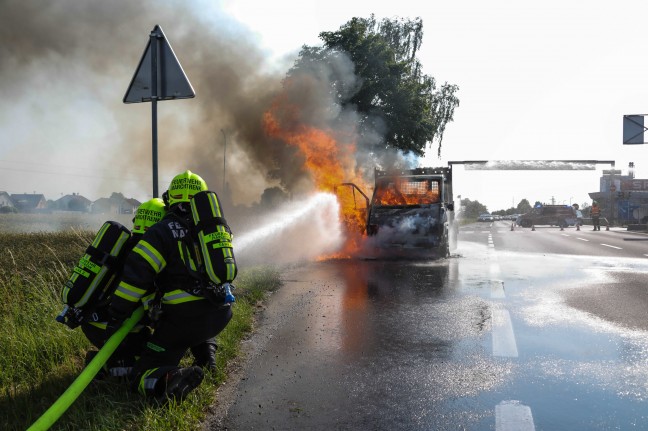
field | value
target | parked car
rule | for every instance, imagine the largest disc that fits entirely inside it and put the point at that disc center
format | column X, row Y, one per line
column 485, row 217
column 552, row 215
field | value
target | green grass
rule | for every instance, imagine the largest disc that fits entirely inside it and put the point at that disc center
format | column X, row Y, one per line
column 39, row 357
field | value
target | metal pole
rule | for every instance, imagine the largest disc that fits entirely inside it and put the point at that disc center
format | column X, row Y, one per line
column 612, row 198
column 154, row 96
column 224, row 156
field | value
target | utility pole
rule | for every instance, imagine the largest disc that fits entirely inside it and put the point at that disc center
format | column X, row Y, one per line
column 224, row 155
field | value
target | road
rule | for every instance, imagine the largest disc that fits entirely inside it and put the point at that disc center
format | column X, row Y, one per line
column 520, row 330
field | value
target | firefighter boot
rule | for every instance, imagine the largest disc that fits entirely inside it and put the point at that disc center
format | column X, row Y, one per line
column 178, row 383
column 205, row 355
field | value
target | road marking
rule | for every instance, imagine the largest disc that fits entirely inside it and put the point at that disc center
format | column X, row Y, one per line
column 611, row 246
column 564, row 234
column 503, row 337
column 583, row 239
column 513, row 416
column 497, row 289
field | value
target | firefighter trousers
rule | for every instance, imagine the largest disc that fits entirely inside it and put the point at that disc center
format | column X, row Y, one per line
column 175, row 334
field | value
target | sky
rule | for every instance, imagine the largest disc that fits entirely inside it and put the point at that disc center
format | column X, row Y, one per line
column 547, row 80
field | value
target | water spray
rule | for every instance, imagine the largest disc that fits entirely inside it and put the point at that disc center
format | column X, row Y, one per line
column 298, row 230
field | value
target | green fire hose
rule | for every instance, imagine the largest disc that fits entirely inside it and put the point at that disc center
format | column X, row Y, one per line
column 79, row 384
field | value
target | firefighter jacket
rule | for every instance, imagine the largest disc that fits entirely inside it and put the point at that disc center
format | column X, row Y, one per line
column 156, row 265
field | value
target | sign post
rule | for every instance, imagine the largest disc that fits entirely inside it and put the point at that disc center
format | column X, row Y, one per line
column 158, row 76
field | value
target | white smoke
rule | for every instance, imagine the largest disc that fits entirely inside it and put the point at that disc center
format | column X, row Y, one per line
column 298, row 231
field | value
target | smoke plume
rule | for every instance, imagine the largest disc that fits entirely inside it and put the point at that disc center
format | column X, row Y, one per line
column 66, row 66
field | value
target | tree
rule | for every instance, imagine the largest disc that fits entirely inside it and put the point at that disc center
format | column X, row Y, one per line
column 393, row 96
column 523, row 207
column 273, row 197
column 472, row 209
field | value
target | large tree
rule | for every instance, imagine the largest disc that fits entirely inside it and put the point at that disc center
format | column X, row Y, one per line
column 393, row 97
column 523, row 207
column 472, row 209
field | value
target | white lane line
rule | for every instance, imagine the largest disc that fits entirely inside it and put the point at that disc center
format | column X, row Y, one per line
column 583, row 239
column 497, row 289
column 513, row 416
column 503, row 337
column 612, row 246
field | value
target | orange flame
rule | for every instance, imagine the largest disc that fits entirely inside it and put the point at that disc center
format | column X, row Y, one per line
column 330, row 163
column 402, row 191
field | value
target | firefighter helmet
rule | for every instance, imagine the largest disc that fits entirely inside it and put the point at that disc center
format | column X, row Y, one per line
column 184, row 186
column 148, row 213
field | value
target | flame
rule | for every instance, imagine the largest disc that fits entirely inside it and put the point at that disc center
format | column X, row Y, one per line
column 329, row 161
column 403, row 191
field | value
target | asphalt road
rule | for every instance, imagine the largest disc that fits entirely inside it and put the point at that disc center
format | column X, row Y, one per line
column 518, row 330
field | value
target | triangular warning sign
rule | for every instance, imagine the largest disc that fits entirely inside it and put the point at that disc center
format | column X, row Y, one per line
column 170, row 80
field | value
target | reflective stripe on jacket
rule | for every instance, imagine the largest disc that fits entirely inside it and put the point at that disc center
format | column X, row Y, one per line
column 156, row 262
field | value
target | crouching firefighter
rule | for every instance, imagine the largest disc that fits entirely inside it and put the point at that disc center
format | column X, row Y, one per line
column 188, row 258
column 88, row 291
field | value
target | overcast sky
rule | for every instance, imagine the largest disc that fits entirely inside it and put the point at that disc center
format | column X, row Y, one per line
column 545, row 80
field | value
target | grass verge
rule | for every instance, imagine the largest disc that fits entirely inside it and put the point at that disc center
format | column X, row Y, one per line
column 40, row 358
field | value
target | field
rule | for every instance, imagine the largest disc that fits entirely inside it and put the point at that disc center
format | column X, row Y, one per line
column 40, row 357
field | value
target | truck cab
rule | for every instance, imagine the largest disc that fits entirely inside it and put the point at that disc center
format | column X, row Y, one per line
column 413, row 210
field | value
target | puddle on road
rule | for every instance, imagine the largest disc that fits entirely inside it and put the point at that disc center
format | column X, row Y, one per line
column 574, row 322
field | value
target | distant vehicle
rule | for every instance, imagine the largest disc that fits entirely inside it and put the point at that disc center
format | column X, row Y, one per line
column 552, row 215
column 485, row 217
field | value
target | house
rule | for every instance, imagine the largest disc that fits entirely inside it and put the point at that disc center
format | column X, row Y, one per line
column 115, row 204
column 34, row 202
column 6, row 203
column 73, row 202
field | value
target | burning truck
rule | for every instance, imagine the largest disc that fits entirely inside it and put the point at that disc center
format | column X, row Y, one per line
column 411, row 212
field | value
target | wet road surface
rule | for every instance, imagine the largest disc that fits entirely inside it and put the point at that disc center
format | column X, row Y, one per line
column 489, row 339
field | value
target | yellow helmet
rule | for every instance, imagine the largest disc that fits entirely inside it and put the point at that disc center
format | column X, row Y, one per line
column 184, row 186
column 148, row 213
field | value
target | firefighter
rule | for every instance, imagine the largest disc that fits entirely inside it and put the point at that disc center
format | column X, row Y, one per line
column 189, row 318
column 122, row 361
column 595, row 213
column 579, row 215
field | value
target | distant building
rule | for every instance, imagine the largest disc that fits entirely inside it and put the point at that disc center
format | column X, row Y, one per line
column 623, row 198
column 29, row 202
column 115, row 204
column 73, row 202
column 6, row 203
